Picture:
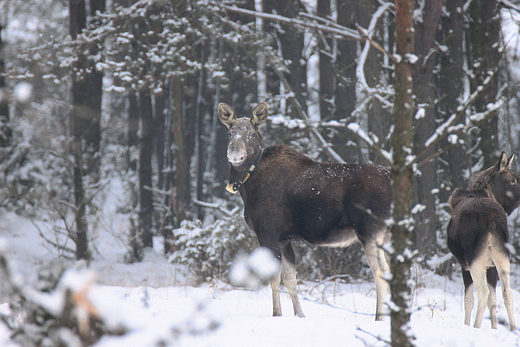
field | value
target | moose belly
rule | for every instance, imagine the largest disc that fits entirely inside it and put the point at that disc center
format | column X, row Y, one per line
column 335, row 238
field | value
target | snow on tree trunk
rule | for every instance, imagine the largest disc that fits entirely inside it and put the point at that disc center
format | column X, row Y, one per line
column 402, row 177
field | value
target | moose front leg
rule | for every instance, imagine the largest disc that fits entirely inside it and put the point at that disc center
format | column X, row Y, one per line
column 275, row 288
column 289, row 277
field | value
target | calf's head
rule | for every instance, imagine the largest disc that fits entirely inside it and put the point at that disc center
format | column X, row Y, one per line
column 500, row 182
column 244, row 135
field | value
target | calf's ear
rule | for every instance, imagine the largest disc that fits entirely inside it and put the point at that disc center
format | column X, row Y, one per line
column 260, row 113
column 502, row 163
column 226, row 114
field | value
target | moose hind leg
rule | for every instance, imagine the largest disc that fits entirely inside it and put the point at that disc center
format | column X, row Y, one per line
column 478, row 273
column 492, row 278
column 378, row 264
column 289, row 277
column 469, row 299
column 501, row 260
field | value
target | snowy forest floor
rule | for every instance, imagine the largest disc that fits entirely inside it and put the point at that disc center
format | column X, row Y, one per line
column 155, row 291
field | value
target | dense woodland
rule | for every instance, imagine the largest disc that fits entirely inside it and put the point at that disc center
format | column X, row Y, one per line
column 96, row 91
column 101, row 91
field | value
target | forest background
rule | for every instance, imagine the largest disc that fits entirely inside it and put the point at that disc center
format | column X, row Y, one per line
column 100, row 91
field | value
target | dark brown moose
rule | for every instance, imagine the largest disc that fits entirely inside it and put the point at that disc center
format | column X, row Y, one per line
column 289, row 197
column 478, row 236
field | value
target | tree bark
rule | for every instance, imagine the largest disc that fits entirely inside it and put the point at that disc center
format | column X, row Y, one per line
column 77, row 21
column 5, row 128
column 402, row 178
column 180, row 195
column 145, row 169
column 425, row 236
column 451, row 79
column 484, row 48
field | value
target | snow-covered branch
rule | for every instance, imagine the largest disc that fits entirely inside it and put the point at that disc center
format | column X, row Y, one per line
column 338, row 30
column 449, row 127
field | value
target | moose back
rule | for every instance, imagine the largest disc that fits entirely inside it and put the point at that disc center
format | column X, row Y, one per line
column 289, row 197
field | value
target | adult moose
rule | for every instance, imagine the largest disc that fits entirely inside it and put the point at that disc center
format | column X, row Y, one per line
column 288, row 196
column 478, row 234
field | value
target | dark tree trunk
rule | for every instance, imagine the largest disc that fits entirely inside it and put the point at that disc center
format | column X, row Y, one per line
column 180, row 196
column 159, row 136
column 78, row 89
column 345, row 89
column 484, row 31
column 425, row 237
column 145, row 169
column 5, row 128
column 92, row 102
column 292, row 44
column 402, row 178
column 327, row 78
column 454, row 160
column 133, row 127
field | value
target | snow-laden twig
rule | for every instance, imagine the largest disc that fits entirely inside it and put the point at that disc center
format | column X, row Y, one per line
column 217, row 206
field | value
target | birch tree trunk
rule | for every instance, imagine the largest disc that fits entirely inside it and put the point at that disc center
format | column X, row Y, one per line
column 402, row 178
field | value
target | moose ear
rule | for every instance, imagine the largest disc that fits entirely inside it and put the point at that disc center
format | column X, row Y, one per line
column 503, row 163
column 260, row 113
column 226, row 114
column 510, row 161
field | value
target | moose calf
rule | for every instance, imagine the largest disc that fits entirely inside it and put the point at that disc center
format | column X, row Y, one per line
column 477, row 237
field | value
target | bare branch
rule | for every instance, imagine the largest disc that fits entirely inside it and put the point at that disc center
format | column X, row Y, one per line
column 343, row 32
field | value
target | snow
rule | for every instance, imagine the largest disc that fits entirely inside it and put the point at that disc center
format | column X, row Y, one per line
column 153, row 302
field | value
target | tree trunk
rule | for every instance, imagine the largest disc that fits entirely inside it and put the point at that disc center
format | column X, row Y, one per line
column 425, row 237
column 454, row 160
column 132, row 130
column 180, row 195
column 78, row 89
column 92, row 102
column 402, row 178
column 345, row 89
column 145, row 169
column 5, row 128
column 327, row 61
column 484, row 31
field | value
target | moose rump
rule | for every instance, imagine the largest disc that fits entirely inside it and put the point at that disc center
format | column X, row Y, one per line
column 289, row 197
column 477, row 237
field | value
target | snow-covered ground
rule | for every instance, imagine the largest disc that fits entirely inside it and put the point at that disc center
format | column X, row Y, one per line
column 152, row 296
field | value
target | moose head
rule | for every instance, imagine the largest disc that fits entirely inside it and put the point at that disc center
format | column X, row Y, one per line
column 500, row 183
column 244, row 135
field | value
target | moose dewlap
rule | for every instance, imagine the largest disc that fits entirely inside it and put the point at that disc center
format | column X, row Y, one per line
column 288, row 196
column 478, row 236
